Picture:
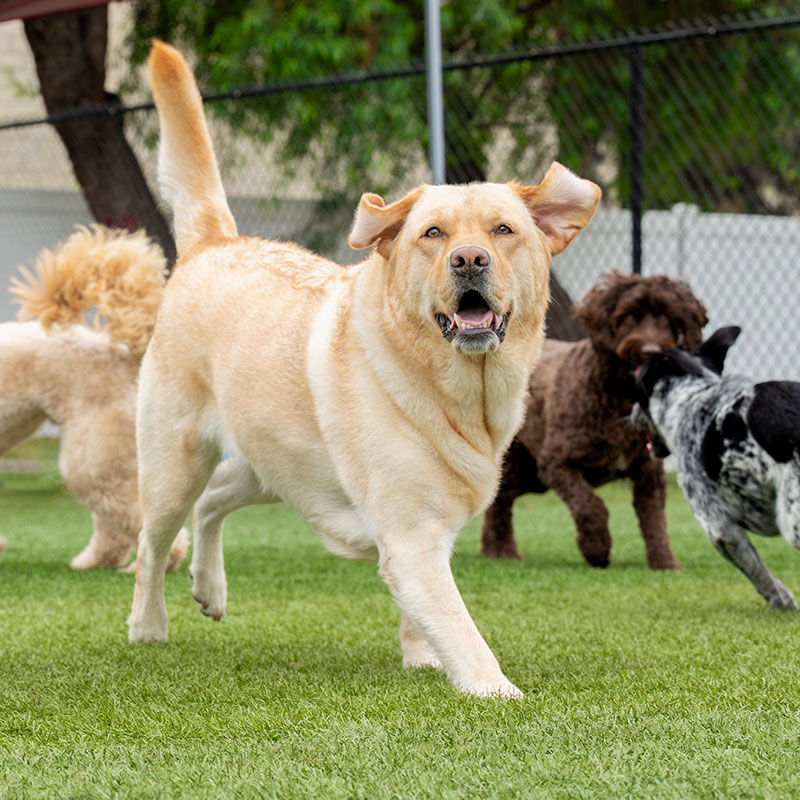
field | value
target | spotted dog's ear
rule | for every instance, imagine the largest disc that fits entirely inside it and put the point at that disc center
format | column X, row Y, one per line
column 561, row 205
column 377, row 223
column 683, row 363
column 715, row 348
column 673, row 363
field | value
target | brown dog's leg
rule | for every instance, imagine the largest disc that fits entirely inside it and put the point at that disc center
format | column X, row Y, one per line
column 519, row 477
column 588, row 511
column 649, row 500
column 497, row 534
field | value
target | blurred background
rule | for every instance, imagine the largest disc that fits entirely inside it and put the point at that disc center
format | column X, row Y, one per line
column 686, row 113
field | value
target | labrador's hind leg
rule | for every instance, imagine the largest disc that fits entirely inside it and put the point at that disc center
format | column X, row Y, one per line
column 233, row 485
column 174, row 466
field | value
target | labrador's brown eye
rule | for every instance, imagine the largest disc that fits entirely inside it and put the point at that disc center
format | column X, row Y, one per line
column 433, row 232
column 503, row 229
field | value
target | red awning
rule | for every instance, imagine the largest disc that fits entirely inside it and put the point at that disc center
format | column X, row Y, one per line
column 24, row 9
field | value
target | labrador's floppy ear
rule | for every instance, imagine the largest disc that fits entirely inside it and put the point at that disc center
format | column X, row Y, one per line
column 376, row 222
column 561, row 205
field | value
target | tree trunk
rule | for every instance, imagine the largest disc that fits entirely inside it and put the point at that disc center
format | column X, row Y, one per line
column 70, row 50
column 560, row 324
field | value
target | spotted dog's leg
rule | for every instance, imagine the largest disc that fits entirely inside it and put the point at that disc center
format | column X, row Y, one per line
column 649, row 500
column 788, row 503
column 732, row 542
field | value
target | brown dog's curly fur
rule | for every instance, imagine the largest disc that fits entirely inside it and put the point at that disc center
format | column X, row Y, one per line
column 577, row 434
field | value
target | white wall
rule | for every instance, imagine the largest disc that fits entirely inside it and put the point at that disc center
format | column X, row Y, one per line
column 29, row 221
column 745, row 268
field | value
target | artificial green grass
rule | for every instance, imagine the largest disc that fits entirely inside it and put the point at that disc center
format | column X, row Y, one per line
column 638, row 684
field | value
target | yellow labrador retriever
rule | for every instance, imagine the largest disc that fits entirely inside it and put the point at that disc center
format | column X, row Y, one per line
column 376, row 399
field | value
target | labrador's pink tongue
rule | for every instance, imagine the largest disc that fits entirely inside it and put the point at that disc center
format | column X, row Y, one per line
column 475, row 316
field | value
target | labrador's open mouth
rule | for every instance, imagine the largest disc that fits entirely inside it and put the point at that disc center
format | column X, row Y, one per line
column 474, row 327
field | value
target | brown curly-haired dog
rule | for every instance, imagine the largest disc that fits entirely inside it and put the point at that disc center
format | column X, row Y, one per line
column 577, row 434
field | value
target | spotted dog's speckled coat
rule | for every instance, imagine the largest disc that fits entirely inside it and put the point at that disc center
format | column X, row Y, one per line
column 738, row 450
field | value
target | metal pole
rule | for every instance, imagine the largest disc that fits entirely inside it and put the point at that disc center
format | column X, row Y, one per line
column 433, row 63
column 636, row 125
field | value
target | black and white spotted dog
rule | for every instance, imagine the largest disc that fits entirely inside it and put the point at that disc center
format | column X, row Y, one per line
column 738, row 450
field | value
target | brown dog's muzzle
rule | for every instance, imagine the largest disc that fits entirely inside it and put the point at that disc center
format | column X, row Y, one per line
column 649, row 338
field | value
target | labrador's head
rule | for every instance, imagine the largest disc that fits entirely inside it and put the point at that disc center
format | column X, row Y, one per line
column 471, row 263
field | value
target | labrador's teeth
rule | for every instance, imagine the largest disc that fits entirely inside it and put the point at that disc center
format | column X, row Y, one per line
column 453, row 324
column 462, row 325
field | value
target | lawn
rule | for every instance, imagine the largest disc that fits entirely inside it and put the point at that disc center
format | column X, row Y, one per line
column 637, row 684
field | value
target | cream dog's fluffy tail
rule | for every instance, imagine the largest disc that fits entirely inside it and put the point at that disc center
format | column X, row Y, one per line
column 120, row 275
column 187, row 169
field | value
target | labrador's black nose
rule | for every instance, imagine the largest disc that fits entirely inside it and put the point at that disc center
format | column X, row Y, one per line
column 469, row 261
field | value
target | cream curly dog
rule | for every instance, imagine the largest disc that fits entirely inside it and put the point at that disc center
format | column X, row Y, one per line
column 54, row 366
column 376, row 399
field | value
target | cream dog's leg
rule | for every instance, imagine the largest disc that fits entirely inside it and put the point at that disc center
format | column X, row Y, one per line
column 107, row 547
column 99, row 469
column 416, row 567
column 233, row 485
column 17, row 424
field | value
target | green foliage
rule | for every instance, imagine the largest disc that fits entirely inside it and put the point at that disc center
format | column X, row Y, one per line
column 720, row 120
column 720, row 117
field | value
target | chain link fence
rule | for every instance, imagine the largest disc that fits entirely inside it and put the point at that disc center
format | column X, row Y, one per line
column 693, row 132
